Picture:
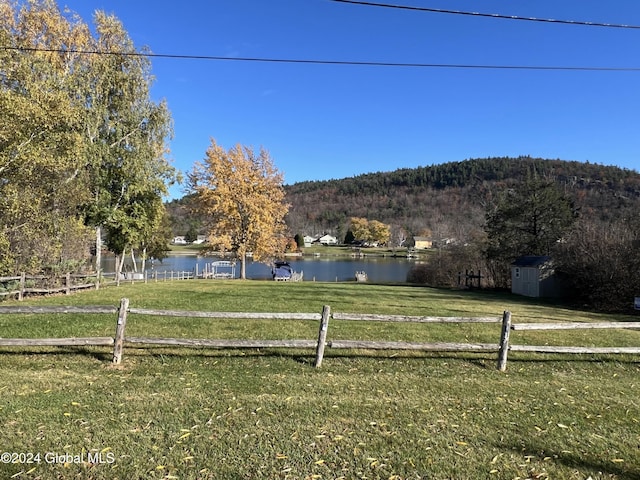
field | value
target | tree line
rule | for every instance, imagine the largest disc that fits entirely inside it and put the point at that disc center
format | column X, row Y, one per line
column 596, row 257
column 83, row 147
column 450, row 199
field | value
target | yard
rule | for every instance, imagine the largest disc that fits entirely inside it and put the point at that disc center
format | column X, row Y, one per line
column 169, row 412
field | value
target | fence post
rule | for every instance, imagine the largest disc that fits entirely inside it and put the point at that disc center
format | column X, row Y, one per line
column 122, row 322
column 23, row 279
column 322, row 335
column 504, row 341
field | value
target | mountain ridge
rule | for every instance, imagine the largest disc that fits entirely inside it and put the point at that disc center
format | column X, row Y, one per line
column 451, row 199
column 447, row 200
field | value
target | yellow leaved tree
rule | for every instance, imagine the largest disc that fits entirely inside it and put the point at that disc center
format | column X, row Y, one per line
column 240, row 194
column 370, row 231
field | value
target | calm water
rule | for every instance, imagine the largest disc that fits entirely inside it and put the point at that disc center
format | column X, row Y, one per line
column 378, row 269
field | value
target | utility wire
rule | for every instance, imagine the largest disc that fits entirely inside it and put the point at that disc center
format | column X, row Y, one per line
column 327, row 62
column 489, row 15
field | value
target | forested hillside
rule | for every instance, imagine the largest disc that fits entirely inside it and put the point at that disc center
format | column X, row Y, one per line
column 451, row 199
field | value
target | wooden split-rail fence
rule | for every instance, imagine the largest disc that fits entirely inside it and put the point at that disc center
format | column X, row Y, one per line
column 320, row 343
column 22, row 286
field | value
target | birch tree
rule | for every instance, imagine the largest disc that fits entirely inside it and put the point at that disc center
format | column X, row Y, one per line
column 240, row 192
column 126, row 133
column 41, row 149
column 81, row 140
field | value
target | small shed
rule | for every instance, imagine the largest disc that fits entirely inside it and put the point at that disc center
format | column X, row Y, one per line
column 534, row 276
column 422, row 243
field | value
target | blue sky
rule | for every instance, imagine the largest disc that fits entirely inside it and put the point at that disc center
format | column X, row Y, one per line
column 335, row 121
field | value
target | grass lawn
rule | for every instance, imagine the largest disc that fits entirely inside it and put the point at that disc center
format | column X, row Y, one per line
column 268, row 414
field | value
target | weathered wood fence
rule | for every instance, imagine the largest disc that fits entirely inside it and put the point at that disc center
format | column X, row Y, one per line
column 508, row 326
column 23, row 285
column 320, row 343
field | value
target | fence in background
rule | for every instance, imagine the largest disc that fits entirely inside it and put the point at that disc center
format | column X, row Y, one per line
column 23, row 285
column 502, row 347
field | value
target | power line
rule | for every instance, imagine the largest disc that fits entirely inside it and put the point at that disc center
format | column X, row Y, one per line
column 328, row 62
column 489, row 15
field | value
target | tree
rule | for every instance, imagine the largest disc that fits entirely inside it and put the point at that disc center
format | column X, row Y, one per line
column 379, row 232
column 528, row 220
column 126, row 133
column 600, row 261
column 360, row 228
column 81, row 142
column 349, row 238
column 241, row 194
column 41, row 146
column 370, row 232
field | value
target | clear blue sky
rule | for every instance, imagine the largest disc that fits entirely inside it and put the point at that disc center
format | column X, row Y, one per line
column 334, row 121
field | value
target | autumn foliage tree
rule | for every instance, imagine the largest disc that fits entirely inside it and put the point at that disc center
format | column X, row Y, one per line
column 41, row 148
column 370, row 231
column 240, row 194
column 82, row 144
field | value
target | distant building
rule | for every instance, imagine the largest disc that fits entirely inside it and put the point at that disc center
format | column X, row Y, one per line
column 179, row 241
column 422, row 243
column 200, row 240
column 534, row 276
column 327, row 240
column 308, row 240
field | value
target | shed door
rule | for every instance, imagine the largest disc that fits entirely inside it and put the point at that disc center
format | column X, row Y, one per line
column 530, row 282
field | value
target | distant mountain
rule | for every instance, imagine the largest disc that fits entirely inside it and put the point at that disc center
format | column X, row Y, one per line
column 448, row 200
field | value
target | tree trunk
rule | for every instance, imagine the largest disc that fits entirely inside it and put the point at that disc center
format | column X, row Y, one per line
column 120, row 262
column 143, row 260
column 243, row 266
column 98, row 249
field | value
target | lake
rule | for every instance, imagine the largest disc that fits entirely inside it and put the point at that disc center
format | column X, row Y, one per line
column 321, row 269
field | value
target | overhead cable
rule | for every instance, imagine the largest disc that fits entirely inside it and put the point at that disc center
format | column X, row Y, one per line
column 326, row 62
column 489, row 15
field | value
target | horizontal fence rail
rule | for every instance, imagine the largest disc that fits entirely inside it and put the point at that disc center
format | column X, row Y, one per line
column 202, row 342
column 55, row 342
column 119, row 340
column 236, row 315
column 574, row 326
column 567, row 349
column 432, row 347
column 56, row 309
column 412, row 319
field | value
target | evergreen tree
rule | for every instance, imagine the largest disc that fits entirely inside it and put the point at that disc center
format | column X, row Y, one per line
column 527, row 220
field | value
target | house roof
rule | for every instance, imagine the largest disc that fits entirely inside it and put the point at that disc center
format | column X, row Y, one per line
column 531, row 260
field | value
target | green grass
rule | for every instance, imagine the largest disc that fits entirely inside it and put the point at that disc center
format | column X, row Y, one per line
column 264, row 414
